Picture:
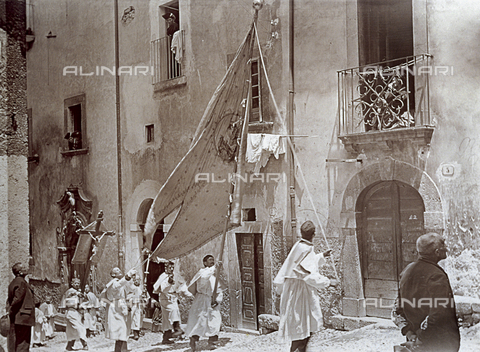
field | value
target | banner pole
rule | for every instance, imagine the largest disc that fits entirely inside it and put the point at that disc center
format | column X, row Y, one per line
column 238, row 166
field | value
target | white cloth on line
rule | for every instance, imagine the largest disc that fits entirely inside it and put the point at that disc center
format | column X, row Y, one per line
column 177, row 45
column 261, row 146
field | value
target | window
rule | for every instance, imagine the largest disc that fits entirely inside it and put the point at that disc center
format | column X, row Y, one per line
column 75, row 124
column 256, row 94
column 385, row 35
column 150, row 133
column 249, row 214
column 167, row 50
column 169, row 18
column 385, row 30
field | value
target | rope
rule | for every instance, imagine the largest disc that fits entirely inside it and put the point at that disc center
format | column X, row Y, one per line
column 295, row 157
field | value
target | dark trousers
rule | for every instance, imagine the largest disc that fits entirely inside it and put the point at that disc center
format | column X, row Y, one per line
column 19, row 338
column 300, row 345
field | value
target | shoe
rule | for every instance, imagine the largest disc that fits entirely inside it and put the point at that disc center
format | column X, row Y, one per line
column 84, row 348
column 193, row 344
column 177, row 333
column 177, row 330
column 167, row 342
column 211, row 346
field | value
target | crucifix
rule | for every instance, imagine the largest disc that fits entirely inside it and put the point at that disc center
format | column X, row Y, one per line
column 91, row 243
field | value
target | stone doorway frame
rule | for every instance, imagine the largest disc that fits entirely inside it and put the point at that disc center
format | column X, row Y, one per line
column 353, row 301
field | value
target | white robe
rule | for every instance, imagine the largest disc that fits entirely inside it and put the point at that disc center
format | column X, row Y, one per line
column 168, row 297
column 116, row 309
column 135, row 301
column 203, row 320
column 90, row 314
column 75, row 329
column 48, row 311
column 38, row 331
column 298, row 281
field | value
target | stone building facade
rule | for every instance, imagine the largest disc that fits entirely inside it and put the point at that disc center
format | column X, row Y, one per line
column 133, row 128
column 14, row 207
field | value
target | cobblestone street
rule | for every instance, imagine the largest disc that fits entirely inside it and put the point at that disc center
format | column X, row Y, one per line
column 373, row 338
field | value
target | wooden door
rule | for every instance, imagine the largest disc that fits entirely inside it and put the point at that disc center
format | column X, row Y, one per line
column 250, row 255
column 259, row 274
column 392, row 221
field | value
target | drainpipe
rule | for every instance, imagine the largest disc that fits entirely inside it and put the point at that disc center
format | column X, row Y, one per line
column 120, row 240
column 290, row 121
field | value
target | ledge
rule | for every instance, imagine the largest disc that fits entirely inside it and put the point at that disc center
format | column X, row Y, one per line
column 420, row 136
column 260, row 127
column 170, row 84
column 74, row 152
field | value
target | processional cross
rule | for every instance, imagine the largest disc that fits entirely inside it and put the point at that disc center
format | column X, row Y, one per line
column 91, row 243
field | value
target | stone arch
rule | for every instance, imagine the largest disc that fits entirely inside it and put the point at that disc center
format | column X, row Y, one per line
column 385, row 170
column 137, row 206
column 143, row 210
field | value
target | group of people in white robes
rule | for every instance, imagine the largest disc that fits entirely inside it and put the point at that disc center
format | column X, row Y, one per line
column 44, row 322
column 297, row 281
column 204, row 319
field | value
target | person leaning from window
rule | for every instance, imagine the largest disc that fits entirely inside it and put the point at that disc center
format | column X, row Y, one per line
column 425, row 307
column 21, row 310
column 172, row 24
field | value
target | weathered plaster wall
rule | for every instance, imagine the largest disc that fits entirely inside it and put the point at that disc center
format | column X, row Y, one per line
column 317, row 57
column 453, row 41
column 84, row 37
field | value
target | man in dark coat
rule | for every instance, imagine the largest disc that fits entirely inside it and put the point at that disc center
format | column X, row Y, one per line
column 21, row 309
column 425, row 308
column 172, row 24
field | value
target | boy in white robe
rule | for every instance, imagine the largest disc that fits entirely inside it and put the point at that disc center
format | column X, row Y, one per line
column 49, row 312
column 135, row 303
column 204, row 318
column 116, row 308
column 38, row 331
column 168, row 289
column 90, row 305
column 298, row 281
column 71, row 302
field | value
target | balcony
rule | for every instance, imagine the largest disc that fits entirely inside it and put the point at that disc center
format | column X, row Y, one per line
column 30, row 30
column 384, row 102
column 164, row 62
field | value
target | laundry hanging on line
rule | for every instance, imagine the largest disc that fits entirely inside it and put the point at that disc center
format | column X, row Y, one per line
column 261, row 146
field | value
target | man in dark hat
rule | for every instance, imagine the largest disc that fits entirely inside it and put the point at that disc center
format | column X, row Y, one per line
column 425, row 308
column 172, row 24
column 21, row 309
column 298, row 281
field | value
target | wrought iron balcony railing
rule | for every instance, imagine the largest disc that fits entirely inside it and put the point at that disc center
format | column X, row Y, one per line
column 385, row 96
column 165, row 66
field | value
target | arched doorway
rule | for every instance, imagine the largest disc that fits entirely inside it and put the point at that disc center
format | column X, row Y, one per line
column 390, row 218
